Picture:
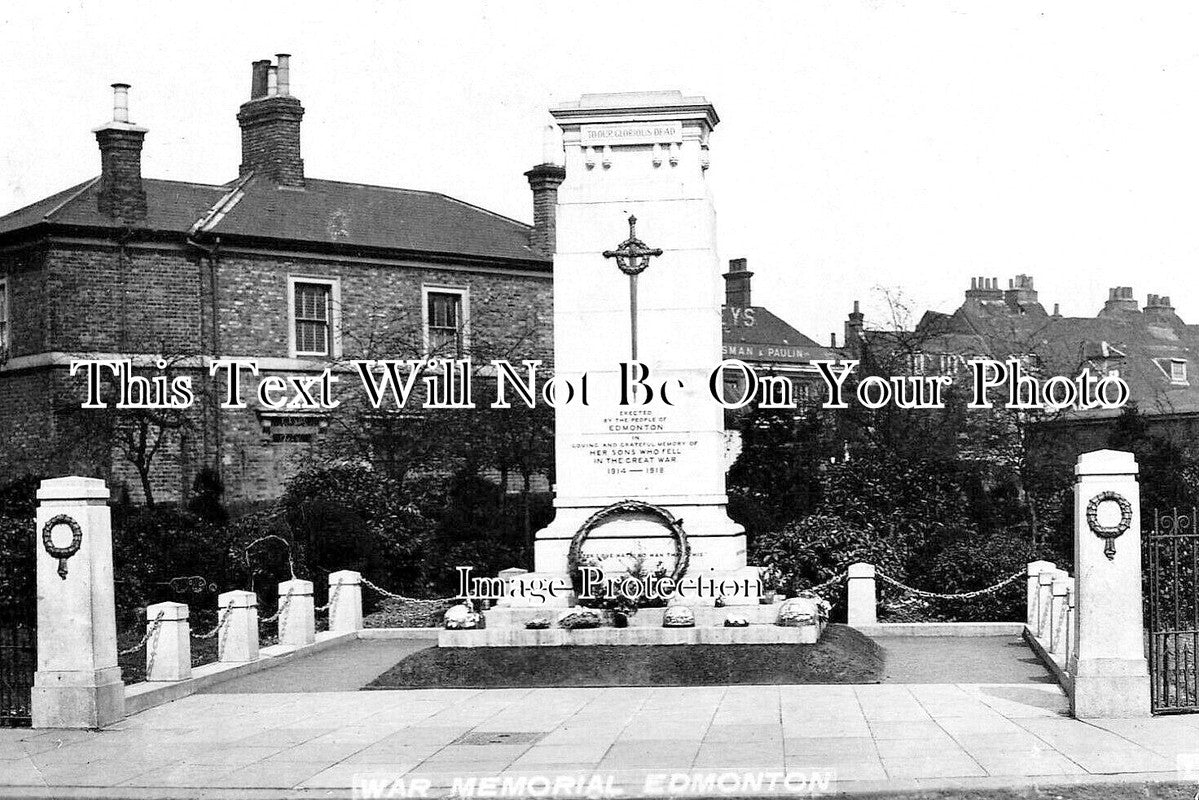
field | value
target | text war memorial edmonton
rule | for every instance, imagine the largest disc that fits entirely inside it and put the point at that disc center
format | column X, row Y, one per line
column 337, row 489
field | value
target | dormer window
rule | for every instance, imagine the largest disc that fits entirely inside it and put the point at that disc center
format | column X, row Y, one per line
column 1178, row 371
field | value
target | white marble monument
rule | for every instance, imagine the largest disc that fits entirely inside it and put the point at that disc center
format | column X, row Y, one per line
column 654, row 291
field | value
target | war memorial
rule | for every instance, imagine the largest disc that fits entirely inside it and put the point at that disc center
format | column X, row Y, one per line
column 635, row 648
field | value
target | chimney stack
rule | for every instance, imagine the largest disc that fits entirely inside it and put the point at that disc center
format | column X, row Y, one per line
column 737, row 284
column 270, row 125
column 122, row 195
column 1020, row 291
column 1120, row 300
column 1158, row 307
column 544, row 180
column 984, row 289
column 854, row 325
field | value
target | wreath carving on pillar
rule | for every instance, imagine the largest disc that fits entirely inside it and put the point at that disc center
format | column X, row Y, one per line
column 62, row 553
column 630, row 508
column 1109, row 532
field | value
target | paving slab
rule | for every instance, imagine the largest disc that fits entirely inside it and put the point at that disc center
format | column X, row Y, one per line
column 272, row 744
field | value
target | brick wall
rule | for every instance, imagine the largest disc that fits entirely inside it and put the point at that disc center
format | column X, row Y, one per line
column 151, row 298
column 270, row 139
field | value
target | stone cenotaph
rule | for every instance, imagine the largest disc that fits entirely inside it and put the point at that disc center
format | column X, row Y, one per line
column 641, row 482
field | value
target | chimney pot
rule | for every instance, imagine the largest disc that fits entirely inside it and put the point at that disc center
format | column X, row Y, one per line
column 258, row 79
column 832, row 340
column 120, row 102
column 283, row 74
column 1057, row 309
column 551, row 145
column 855, row 307
column 272, row 81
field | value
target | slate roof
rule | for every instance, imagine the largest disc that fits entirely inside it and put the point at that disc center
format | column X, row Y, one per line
column 769, row 339
column 1138, row 344
column 323, row 213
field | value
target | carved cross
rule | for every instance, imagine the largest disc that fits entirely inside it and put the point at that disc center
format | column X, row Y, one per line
column 632, row 256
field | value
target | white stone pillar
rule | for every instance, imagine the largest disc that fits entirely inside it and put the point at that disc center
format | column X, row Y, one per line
column 1045, row 602
column 238, row 638
column 78, row 683
column 862, row 599
column 169, row 648
column 297, row 623
column 345, row 601
column 1035, row 568
column 1058, row 613
column 1111, row 674
column 1071, row 628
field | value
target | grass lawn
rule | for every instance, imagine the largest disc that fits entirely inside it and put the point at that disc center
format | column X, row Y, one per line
column 842, row 656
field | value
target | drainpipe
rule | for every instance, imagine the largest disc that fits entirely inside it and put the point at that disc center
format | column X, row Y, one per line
column 211, row 254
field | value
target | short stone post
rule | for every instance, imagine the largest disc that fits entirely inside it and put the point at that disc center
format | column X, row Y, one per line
column 297, row 622
column 169, row 648
column 862, row 599
column 1071, row 630
column 1057, row 614
column 345, row 601
column 77, row 683
column 238, row 637
column 1035, row 568
column 1045, row 603
column 1110, row 672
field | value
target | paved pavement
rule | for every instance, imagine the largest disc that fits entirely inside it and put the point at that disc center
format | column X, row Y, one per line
column 961, row 659
column 876, row 736
column 340, row 669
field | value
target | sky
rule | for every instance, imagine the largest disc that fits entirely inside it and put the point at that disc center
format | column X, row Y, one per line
column 866, row 149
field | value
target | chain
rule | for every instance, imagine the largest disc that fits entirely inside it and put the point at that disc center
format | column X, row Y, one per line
column 219, row 625
column 820, row 587
column 420, row 600
column 332, row 599
column 956, row 596
column 279, row 611
column 150, row 631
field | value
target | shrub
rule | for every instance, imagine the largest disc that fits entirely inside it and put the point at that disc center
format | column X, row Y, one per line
column 349, row 516
column 152, row 545
column 207, row 491
column 819, row 546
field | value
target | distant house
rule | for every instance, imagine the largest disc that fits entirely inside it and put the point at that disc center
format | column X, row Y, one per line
column 759, row 337
column 1149, row 347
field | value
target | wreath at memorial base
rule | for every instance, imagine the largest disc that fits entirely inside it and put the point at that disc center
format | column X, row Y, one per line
column 1109, row 532
column 574, row 559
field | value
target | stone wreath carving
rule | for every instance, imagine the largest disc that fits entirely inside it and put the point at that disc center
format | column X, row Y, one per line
column 1109, row 532
column 62, row 553
column 625, row 508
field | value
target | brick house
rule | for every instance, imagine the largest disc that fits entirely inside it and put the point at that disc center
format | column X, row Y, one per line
column 274, row 265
